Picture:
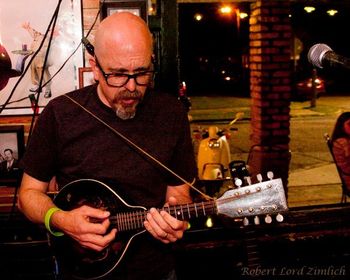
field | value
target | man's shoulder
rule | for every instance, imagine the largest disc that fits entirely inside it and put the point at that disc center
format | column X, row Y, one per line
column 62, row 107
column 166, row 100
column 79, row 95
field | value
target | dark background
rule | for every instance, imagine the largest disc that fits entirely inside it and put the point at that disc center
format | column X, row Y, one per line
column 216, row 44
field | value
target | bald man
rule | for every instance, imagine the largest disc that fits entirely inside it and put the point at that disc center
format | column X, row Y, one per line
column 75, row 138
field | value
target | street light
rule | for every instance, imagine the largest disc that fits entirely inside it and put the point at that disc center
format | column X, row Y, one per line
column 198, row 17
column 332, row 12
column 243, row 15
column 309, row 9
column 226, row 10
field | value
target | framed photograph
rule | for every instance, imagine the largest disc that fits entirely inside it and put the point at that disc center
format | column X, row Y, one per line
column 137, row 7
column 86, row 77
column 11, row 151
column 26, row 25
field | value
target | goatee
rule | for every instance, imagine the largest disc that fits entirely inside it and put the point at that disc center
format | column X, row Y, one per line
column 124, row 111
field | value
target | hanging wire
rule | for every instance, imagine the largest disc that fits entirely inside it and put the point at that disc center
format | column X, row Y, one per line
column 36, row 103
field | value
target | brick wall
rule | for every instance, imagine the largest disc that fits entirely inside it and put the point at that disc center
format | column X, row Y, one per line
column 270, row 79
column 90, row 10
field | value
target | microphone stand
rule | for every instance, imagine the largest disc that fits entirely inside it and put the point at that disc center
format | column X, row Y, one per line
column 313, row 88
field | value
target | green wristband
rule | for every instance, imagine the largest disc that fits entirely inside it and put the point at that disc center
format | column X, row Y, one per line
column 47, row 221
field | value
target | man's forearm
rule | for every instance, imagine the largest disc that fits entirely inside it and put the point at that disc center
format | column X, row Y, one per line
column 34, row 205
column 33, row 200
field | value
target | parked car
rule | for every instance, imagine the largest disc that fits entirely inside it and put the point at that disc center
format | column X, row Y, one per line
column 304, row 89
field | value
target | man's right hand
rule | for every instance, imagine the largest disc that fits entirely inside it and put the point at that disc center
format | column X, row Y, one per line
column 80, row 224
column 86, row 225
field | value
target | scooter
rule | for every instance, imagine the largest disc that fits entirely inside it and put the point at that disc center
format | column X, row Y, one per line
column 214, row 157
column 214, row 154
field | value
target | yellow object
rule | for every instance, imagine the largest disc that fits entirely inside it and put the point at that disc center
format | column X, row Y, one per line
column 47, row 221
column 213, row 156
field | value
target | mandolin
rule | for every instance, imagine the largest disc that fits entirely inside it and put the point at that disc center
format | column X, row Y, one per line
column 263, row 198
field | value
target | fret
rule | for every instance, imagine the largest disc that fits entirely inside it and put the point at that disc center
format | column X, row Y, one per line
column 133, row 220
column 137, row 219
column 125, row 222
column 117, row 221
column 141, row 218
column 120, row 226
column 130, row 219
column 203, row 209
column 195, row 208
column 175, row 212
column 188, row 211
column 182, row 212
column 121, row 221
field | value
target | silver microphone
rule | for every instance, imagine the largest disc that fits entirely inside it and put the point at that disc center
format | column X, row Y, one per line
column 321, row 55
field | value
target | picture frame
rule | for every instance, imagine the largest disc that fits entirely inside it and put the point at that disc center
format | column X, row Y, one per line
column 11, row 145
column 86, row 76
column 137, row 7
column 65, row 51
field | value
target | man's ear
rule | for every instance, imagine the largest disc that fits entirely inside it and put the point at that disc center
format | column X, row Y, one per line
column 94, row 68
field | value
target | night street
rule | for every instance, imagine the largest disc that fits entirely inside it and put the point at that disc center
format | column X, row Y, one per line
column 306, row 132
column 311, row 162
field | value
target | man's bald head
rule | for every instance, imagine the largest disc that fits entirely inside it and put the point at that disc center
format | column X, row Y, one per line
column 123, row 52
column 123, row 32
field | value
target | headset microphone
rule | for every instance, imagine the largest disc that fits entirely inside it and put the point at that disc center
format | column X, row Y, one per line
column 88, row 46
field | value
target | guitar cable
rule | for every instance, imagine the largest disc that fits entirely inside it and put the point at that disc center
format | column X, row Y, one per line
column 128, row 141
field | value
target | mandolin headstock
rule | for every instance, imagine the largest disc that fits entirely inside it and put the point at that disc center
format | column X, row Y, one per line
column 263, row 198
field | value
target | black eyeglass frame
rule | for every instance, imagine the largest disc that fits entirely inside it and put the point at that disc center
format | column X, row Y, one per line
column 128, row 76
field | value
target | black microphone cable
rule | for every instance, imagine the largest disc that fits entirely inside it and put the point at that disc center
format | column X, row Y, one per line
column 40, row 86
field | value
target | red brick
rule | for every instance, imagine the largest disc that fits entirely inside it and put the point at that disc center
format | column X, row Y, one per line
column 90, row 4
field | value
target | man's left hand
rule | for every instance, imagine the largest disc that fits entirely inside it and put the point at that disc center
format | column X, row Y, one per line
column 163, row 226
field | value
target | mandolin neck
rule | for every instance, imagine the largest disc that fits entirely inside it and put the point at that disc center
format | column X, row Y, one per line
column 127, row 221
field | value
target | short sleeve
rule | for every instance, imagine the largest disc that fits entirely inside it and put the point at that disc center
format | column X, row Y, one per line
column 39, row 159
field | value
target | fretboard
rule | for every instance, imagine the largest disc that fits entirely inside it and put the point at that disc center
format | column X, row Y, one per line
column 126, row 221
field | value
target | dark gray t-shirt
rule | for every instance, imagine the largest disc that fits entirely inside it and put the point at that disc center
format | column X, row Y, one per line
column 71, row 144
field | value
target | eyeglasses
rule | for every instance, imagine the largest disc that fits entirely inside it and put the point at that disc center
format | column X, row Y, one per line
column 121, row 79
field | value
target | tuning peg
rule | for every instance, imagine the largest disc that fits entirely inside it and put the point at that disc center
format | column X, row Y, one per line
column 259, row 177
column 279, row 218
column 248, row 180
column 268, row 219
column 270, row 175
column 245, row 221
column 256, row 220
column 238, row 182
